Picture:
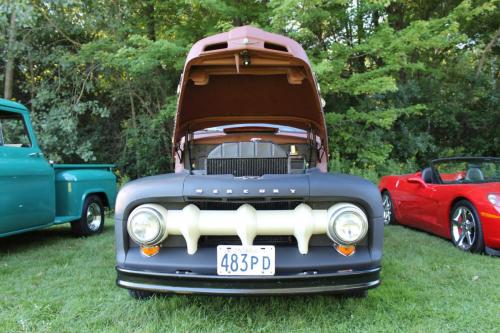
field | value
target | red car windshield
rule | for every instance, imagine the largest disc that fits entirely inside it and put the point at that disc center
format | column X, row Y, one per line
column 468, row 170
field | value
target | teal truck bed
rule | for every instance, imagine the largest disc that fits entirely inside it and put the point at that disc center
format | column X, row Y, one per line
column 35, row 193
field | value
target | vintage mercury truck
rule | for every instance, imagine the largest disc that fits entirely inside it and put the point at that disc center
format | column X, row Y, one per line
column 251, row 208
column 36, row 194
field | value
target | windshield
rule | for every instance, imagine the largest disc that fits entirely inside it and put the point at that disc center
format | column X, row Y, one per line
column 468, row 170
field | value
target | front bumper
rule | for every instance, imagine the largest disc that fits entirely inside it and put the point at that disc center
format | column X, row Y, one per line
column 490, row 222
column 322, row 270
column 339, row 282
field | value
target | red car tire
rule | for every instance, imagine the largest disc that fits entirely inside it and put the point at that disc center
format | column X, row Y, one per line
column 465, row 227
column 389, row 217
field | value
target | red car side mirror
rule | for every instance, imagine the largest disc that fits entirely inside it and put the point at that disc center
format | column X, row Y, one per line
column 417, row 180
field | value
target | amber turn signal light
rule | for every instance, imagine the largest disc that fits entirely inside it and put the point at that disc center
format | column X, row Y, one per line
column 345, row 250
column 150, row 251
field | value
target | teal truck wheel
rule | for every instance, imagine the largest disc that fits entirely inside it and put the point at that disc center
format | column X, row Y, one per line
column 92, row 219
column 35, row 193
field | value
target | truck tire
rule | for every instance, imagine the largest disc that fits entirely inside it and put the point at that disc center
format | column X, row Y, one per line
column 140, row 294
column 353, row 294
column 92, row 219
column 358, row 294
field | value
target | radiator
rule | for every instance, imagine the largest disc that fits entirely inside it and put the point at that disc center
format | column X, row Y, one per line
column 240, row 167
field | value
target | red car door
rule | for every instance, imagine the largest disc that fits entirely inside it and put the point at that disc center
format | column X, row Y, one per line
column 424, row 208
column 418, row 204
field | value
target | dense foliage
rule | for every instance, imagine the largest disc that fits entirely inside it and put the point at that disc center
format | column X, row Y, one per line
column 404, row 81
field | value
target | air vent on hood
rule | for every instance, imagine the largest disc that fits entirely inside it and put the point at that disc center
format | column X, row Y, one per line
column 275, row 47
column 217, row 46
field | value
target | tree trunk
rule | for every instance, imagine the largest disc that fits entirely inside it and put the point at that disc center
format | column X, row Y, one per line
column 487, row 50
column 9, row 65
column 32, row 82
column 150, row 16
column 360, row 32
column 396, row 16
column 134, row 125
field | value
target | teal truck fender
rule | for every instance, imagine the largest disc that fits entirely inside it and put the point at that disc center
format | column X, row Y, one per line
column 75, row 182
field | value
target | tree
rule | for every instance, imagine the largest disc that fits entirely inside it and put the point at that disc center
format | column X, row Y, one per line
column 404, row 81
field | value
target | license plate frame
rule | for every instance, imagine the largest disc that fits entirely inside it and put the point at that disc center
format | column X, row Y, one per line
column 255, row 260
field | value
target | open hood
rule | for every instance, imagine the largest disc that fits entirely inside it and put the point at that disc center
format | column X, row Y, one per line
column 248, row 75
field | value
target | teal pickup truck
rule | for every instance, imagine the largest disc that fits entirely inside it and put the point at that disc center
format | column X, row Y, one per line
column 36, row 194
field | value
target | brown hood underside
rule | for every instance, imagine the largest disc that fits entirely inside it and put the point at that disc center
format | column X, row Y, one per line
column 219, row 88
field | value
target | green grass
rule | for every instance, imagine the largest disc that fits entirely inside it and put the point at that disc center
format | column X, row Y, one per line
column 53, row 282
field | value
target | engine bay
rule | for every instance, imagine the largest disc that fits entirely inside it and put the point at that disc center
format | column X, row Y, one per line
column 249, row 152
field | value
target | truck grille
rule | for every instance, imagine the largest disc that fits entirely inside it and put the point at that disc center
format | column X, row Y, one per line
column 246, row 223
column 211, row 241
column 240, row 167
column 214, row 241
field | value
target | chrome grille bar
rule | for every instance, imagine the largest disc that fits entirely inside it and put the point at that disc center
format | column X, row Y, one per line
column 240, row 167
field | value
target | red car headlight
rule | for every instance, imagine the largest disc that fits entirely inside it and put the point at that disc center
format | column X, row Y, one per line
column 494, row 199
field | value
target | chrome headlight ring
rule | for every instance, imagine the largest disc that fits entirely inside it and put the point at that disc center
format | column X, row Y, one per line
column 348, row 224
column 146, row 226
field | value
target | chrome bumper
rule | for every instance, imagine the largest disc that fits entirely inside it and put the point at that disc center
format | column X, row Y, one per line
column 340, row 282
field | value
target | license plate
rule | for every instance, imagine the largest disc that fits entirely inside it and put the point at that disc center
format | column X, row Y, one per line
column 245, row 260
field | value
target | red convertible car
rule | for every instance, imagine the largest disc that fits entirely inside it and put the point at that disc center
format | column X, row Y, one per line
column 456, row 198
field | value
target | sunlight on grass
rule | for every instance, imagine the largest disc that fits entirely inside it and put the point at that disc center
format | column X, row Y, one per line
column 53, row 282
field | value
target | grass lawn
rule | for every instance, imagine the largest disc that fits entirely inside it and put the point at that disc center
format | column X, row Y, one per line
column 53, row 282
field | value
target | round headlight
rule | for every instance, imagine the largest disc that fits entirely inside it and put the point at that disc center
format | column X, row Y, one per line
column 145, row 226
column 348, row 224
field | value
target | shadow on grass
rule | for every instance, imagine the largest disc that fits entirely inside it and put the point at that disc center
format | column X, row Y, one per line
column 238, row 304
column 254, row 313
column 445, row 239
column 39, row 238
